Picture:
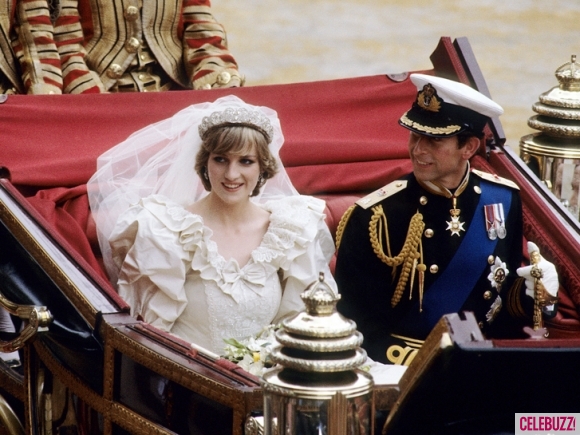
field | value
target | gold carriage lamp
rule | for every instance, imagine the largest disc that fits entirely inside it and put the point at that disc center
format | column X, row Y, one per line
column 316, row 387
column 553, row 153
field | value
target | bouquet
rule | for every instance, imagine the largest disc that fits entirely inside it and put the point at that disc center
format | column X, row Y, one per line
column 253, row 353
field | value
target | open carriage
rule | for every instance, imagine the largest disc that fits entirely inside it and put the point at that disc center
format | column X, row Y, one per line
column 87, row 365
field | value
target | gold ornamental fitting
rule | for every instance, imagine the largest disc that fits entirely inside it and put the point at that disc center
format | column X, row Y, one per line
column 131, row 13
column 115, row 71
column 569, row 75
column 223, row 78
column 553, row 152
column 559, row 108
column 132, row 45
column 316, row 382
column 319, row 339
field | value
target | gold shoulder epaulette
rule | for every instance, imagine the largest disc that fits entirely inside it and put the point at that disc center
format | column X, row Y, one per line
column 382, row 193
column 496, row 179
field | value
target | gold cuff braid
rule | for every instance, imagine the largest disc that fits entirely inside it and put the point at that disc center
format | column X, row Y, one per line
column 409, row 253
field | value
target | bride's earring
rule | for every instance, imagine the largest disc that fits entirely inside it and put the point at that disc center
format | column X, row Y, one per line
column 261, row 181
column 205, row 174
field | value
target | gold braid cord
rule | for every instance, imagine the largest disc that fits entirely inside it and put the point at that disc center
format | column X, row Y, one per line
column 409, row 253
column 342, row 224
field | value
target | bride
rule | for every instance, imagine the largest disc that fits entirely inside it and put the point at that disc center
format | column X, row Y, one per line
column 201, row 230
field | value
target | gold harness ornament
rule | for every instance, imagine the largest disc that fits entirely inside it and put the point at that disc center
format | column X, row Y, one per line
column 410, row 256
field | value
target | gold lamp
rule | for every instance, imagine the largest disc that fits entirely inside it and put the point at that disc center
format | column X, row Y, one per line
column 316, row 388
column 553, row 153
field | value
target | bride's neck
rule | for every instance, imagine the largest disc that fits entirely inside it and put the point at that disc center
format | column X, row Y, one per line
column 213, row 208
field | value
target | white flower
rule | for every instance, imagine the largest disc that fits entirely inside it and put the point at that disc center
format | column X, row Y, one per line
column 253, row 353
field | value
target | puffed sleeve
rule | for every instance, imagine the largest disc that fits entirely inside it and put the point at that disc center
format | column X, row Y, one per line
column 153, row 244
column 311, row 251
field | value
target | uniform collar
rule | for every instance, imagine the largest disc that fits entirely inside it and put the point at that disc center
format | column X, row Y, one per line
column 438, row 189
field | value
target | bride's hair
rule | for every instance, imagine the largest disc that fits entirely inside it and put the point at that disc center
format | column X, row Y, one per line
column 238, row 140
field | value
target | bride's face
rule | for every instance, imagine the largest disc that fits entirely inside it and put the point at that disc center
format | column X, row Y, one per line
column 233, row 176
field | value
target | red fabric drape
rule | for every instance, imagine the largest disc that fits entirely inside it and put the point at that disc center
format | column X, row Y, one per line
column 53, row 141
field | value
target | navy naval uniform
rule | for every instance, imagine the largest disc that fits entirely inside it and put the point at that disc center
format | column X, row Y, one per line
column 458, row 266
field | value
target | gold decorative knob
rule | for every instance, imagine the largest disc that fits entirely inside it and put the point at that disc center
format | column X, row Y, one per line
column 132, row 45
column 115, row 71
column 131, row 13
column 223, row 78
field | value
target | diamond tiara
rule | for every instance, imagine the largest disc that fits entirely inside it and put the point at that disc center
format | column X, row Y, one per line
column 250, row 118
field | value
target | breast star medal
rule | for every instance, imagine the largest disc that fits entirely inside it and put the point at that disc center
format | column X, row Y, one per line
column 498, row 273
column 455, row 226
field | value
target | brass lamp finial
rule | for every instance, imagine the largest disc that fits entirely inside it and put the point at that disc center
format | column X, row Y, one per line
column 569, row 75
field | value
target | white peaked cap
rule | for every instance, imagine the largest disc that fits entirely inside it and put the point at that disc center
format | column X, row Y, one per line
column 456, row 93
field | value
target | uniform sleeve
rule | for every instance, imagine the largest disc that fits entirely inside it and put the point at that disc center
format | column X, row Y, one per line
column 208, row 61
column 311, row 255
column 153, row 265
column 364, row 284
column 68, row 34
column 35, row 48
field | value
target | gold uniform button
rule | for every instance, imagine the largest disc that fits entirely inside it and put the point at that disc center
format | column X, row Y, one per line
column 206, row 86
column 132, row 45
column 223, row 78
column 115, row 71
column 131, row 13
column 477, row 189
column 480, row 324
column 423, row 200
column 487, row 295
column 434, row 268
column 429, row 233
column 490, row 260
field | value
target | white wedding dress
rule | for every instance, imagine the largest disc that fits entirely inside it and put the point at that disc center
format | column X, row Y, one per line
column 172, row 274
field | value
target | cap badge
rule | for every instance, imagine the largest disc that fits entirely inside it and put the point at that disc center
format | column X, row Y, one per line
column 428, row 99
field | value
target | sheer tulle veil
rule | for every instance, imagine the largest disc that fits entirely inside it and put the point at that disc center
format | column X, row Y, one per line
column 160, row 159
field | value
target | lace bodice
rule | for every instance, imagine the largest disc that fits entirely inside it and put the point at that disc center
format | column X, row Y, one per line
column 172, row 274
